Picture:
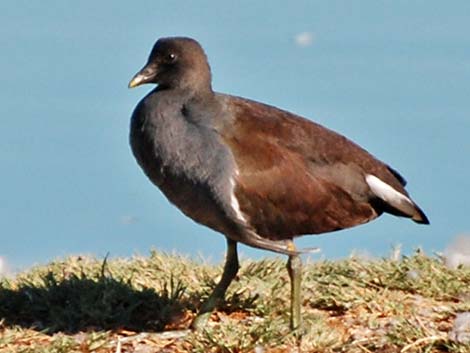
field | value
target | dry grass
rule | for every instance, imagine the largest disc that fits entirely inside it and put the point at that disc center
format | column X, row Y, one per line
column 89, row 305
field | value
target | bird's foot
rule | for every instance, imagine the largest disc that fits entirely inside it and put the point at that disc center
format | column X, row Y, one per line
column 200, row 321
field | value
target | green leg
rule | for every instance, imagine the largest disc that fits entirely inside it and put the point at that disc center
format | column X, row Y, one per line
column 294, row 267
column 230, row 271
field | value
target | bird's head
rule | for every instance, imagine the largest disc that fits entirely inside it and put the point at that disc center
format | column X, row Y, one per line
column 175, row 62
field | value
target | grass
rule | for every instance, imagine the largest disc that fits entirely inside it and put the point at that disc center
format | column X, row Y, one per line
column 88, row 305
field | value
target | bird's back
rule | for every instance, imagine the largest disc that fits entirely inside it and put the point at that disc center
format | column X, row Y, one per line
column 297, row 177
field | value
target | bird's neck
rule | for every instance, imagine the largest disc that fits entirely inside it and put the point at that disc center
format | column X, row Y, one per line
column 198, row 105
column 189, row 91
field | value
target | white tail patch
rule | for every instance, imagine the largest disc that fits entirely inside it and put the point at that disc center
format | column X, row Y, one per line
column 385, row 192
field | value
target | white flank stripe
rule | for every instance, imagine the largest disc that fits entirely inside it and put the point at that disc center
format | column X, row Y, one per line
column 385, row 191
column 234, row 202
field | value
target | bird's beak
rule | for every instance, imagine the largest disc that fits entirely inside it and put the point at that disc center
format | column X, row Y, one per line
column 146, row 75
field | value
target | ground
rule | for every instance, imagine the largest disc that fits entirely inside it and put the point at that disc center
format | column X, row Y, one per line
column 145, row 304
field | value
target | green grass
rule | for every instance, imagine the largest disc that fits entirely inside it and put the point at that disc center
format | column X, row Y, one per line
column 87, row 305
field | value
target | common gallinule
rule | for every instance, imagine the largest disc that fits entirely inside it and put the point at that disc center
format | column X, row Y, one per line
column 257, row 174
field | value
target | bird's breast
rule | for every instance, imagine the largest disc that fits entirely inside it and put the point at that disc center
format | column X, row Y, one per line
column 189, row 164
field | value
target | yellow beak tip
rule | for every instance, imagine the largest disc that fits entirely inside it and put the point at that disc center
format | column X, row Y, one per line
column 132, row 84
column 137, row 80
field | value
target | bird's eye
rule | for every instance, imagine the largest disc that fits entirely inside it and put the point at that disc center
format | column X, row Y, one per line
column 171, row 57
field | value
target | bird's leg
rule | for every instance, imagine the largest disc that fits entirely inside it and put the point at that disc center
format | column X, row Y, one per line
column 230, row 271
column 294, row 268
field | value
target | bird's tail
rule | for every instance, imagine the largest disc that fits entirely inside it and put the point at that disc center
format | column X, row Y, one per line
column 394, row 201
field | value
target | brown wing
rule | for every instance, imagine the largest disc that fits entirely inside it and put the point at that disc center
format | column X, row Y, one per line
column 297, row 177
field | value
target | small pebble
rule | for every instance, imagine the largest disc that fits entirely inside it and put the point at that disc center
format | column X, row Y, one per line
column 461, row 331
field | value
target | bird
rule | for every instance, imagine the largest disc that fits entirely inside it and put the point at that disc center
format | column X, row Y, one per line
column 259, row 175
